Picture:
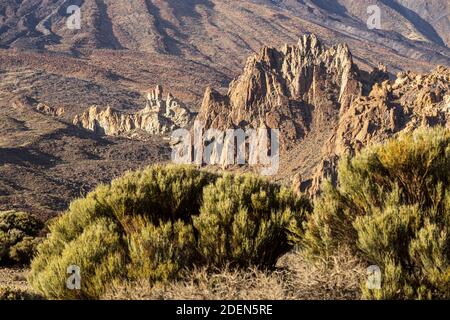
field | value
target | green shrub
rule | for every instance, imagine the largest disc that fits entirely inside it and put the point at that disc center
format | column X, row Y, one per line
column 98, row 252
column 159, row 253
column 392, row 208
column 152, row 224
column 24, row 251
column 244, row 221
column 96, row 234
column 18, row 237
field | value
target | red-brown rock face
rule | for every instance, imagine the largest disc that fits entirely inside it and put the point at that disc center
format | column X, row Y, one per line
column 314, row 96
column 292, row 89
column 409, row 102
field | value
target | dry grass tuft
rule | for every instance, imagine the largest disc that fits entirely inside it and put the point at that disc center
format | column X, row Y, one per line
column 339, row 278
column 295, row 279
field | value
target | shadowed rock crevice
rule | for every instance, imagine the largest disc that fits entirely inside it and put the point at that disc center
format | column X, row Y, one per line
column 421, row 24
column 169, row 44
column 104, row 27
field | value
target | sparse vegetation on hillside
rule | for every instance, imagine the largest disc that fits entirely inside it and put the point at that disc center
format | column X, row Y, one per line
column 176, row 232
column 392, row 208
column 18, row 237
column 155, row 223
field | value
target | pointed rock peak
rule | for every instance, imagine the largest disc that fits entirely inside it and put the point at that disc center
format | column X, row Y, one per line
column 209, row 98
column 382, row 67
column 309, row 39
column 343, row 51
column 159, row 91
column 267, row 54
column 208, row 95
column 442, row 71
column 278, row 87
column 155, row 94
column 309, row 43
column 211, row 94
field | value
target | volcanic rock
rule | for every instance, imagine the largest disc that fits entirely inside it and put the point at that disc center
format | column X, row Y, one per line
column 291, row 89
column 160, row 116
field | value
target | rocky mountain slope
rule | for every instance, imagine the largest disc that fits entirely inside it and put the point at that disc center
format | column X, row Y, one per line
column 297, row 89
column 45, row 161
column 220, row 31
column 49, row 74
column 318, row 97
column 160, row 116
column 410, row 101
column 190, row 44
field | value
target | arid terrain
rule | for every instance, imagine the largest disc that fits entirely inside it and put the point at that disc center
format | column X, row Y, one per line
column 79, row 107
column 125, row 48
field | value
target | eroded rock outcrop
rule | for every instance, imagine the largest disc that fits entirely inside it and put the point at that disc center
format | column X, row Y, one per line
column 292, row 89
column 50, row 111
column 159, row 116
column 409, row 102
column 324, row 106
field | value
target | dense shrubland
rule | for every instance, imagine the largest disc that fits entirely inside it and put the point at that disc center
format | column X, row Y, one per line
column 18, row 237
column 156, row 223
column 392, row 209
column 166, row 229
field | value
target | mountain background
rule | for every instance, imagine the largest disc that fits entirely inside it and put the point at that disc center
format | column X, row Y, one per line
column 188, row 45
column 126, row 47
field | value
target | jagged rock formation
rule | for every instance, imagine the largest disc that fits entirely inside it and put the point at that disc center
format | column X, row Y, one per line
column 159, row 116
column 50, row 111
column 324, row 105
column 293, row 89
column 411, row 101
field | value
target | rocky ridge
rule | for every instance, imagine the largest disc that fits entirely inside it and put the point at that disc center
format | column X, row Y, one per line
column 324, row 106
column 50, row 111
column 404, row 104
column 294, row 89
column 160, row 116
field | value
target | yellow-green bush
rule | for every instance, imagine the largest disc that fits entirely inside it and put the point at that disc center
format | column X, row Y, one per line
column 18, row 237
column 392, row 208
column 159, row 253
column 98, row 252
column 154, row 223
column 244, row 220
